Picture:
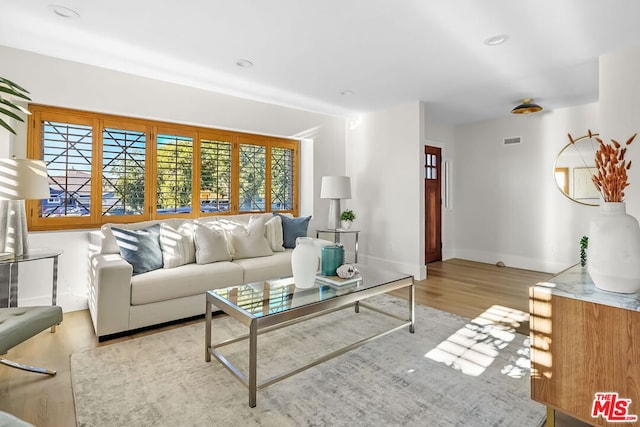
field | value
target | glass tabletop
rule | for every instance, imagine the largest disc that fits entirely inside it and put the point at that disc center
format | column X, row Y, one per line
column 261, row 299
column 32, row 255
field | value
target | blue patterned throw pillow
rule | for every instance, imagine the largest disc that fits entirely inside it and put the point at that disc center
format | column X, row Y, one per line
column 292, row 228
column 140, row 248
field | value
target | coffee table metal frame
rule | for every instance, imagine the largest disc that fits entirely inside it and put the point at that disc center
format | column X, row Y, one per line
column 258, row 325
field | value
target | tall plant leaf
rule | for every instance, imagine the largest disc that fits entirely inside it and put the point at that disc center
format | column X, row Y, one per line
column 14, row 90
column 10, row 114
column 7, row 127
column 14, row 106
column 13, row 85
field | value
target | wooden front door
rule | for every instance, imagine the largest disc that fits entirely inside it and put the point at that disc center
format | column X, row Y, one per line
column 432, row 204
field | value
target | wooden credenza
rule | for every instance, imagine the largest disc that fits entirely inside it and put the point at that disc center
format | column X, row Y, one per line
column 584, row 341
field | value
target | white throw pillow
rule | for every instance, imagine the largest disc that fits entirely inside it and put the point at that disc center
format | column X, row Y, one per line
column 177, row 245
column 211, row 244
column 249, row 241
column 273, row 233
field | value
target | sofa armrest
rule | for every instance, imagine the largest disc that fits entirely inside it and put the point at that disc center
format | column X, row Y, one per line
column 109, row 293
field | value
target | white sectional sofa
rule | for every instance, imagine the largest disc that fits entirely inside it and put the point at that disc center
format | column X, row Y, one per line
column 120, row 301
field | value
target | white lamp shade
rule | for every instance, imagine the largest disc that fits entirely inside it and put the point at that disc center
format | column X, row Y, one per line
column 335, row 187
column 23, row 179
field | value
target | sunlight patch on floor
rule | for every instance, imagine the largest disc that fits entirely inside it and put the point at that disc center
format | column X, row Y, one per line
column 474, row 347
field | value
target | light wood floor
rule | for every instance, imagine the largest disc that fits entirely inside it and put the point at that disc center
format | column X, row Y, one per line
column 462, row 287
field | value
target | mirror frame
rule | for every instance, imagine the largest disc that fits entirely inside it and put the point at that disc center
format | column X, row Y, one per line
column 565, row 170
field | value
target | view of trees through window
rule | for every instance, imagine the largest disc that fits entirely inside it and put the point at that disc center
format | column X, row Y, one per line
column 174, row 173
column 123, row 168
column 135, row 170
column 215, row 175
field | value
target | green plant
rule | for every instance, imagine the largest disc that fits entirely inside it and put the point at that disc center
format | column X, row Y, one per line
column 347, row 215
column 584, row 243
column 10, row 88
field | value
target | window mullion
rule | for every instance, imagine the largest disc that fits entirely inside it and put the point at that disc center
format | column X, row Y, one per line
column 195, row 177
column 96, row 172
column 151, row 173
column 235, row 176
column 267, row 179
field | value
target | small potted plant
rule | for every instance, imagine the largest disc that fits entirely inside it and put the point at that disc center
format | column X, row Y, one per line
column 584, row 244
column 346, row 218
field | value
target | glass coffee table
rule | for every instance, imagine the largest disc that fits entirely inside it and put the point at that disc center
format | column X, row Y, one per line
column 273, row 304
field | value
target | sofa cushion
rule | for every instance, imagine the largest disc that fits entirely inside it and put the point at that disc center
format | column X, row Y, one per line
column 177, row 245
column 140, row 248
column 292, row 228
column 186, row 280
column 109, row 245
column 211, row 243
column 249, row 241
column 265, row 268
column 273, row 233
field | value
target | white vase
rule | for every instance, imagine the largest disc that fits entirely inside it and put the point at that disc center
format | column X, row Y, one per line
column 614, row 249
column 346, row 224
column 305, row 262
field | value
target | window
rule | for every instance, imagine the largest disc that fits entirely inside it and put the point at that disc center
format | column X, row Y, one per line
column 105, row 168
column 123, row 170
column 215, row 175
column 282, row 178
column 174, row 174
column 253, row 166
column 67, row 151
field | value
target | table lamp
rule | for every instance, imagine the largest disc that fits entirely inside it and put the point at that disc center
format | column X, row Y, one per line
column 335, row 188
column 20, row 180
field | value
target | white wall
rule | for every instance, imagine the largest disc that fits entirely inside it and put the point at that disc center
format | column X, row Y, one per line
column 506, row 202
column 620, row 111
column 67, row 84
column 384, row 155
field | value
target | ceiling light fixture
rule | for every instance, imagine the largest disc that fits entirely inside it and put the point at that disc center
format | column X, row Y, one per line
column 527, row 107
column 496, row 40
column 63, row 11
column 244, row 63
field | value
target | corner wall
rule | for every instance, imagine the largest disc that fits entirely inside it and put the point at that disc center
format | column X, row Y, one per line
column 384, row 158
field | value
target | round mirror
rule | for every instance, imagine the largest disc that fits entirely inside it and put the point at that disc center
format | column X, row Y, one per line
column 575, row 165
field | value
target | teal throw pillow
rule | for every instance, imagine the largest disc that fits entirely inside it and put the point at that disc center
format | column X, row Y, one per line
column 292, row 228
column 140, row 248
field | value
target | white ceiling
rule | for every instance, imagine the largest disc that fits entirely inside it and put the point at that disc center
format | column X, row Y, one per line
column 307, row 52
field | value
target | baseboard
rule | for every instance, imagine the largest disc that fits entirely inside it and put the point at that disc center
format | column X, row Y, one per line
column 419, row 272
column 514, row 261
column 68, row 302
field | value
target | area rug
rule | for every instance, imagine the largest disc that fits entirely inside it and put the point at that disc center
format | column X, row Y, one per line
column 163, row 380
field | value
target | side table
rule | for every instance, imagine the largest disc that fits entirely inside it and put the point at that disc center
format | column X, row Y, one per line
column 336, row 237
column 9, row 275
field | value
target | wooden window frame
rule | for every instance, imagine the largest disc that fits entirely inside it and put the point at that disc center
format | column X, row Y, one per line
column 152, row 128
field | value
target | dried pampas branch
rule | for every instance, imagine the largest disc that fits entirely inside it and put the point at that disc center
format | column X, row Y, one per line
column 611, row 168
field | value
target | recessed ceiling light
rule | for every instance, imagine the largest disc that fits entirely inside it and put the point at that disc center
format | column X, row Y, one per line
column 244, row 63
column 63, row 11
column 496, row 40
column 346, row 92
